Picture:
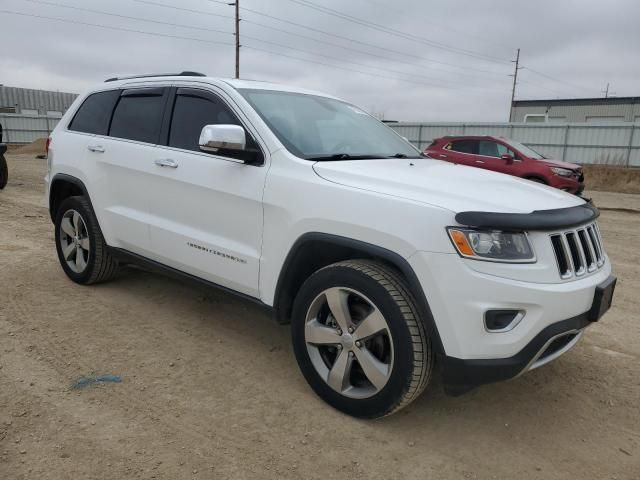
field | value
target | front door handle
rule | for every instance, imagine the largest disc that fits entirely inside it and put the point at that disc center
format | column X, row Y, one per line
column 479, row 161
column 96, row 148
column 442, row 155
column 166, row 162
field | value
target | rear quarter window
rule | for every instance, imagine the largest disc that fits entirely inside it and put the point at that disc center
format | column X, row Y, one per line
column 95, row 112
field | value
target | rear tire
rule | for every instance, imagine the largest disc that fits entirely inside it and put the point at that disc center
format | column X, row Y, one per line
column 358, row 339
column 4, row 172
column 82, row 250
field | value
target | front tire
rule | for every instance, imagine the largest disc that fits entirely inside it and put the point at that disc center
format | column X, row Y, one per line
column 537, row 180
column 82, row 250
column 358, row 339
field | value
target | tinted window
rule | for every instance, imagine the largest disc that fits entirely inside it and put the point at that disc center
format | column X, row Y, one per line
column 138, row 115
column 95, row 112
column 493, row 149
column 464, row 146
column 190, row 114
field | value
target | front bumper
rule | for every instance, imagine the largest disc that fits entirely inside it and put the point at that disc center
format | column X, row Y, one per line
column 569, row 184
column 461, row 291
column 460, row 376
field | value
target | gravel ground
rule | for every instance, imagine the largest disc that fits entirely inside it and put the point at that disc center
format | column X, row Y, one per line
column 210, row 388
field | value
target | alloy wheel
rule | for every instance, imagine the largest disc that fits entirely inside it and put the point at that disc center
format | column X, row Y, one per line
column 74, row 240
column 349, row 342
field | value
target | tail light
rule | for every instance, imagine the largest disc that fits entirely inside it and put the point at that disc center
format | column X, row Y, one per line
column 48, row 144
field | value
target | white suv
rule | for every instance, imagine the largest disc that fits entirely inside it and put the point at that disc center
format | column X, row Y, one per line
column 383, row 261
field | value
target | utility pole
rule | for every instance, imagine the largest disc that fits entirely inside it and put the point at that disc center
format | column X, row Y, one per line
column 237, row 5
column 515, row 81
column 607, row 93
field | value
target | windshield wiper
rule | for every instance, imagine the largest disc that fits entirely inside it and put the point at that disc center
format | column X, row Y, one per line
column 342, row 156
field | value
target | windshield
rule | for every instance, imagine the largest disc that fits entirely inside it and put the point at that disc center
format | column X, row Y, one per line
column 527, row 151
column 321, row 128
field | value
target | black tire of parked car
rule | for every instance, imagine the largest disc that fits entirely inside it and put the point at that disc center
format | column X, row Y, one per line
column 101, row 266
column 4, row 171
column 537, row 180
column 413, row 357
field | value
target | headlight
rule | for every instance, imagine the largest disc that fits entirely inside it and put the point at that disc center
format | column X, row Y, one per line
column 492, row 246
column 563, row 172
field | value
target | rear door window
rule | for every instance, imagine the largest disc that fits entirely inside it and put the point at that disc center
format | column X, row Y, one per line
column 464, row 146
column 95, row 112
column 138, row 115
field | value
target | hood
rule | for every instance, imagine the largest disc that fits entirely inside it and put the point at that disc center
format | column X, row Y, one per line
column 559, row 163
column 455, row 187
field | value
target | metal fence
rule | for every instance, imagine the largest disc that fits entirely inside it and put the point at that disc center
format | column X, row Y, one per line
column 20, row 129
column 608, row 144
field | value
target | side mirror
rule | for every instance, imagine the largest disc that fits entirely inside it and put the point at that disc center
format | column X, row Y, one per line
column 507, row 158
column 222, row 137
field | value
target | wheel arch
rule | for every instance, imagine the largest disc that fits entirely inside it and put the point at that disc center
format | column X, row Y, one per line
column 315, row 250
column 62, row 187
column 535, row 176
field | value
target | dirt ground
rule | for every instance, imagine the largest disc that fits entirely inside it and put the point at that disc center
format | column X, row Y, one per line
column 210, row 388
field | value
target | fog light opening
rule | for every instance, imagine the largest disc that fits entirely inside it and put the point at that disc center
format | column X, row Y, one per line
column 498, row 321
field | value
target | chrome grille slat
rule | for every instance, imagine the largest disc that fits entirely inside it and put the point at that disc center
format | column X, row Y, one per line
column 578, row 251
column 589, row 251
column 599, row 242
column 592, row 235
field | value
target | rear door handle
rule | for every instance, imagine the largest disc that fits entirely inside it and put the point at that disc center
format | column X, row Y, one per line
column 166, row 162
column 442, row 156
column 479, row 161
column 96, row 148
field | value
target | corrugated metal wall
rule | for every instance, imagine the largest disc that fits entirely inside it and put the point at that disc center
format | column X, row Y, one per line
column 40, row 100
column 26, row 128
column 579, row 113
column 610, row 144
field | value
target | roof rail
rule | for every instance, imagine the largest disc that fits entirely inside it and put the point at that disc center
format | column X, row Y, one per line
column 148, row 75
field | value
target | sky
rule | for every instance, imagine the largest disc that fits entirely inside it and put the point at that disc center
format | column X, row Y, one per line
column 408, row 60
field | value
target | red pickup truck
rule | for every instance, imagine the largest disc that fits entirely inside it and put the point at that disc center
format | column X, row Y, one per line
column 508, row 156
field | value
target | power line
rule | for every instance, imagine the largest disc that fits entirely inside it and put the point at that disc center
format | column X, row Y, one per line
column 143, row 32
column 122, row 29
column 543, row 87
column 448, row 29
column 148, row 2
column 558, row 80
column 397, row 33
column 100, row 12
column 348, row 61
column 363, row 52
column 279, row 54
column 335, row 35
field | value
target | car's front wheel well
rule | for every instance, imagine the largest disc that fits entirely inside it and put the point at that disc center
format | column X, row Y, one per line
column 302, row 262
column 314, row 251
column 536, row 178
